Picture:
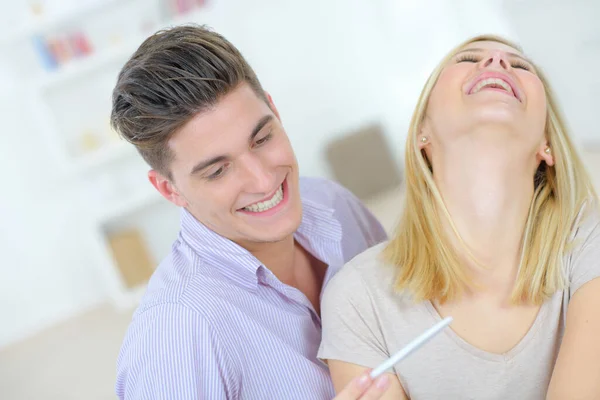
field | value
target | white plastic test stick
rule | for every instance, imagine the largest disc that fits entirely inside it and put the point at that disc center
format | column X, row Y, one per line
column 412, row 346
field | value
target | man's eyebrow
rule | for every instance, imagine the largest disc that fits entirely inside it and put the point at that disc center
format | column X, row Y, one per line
column 259, row 125
column 478, row 50
column 257, row 128
column 205, row 164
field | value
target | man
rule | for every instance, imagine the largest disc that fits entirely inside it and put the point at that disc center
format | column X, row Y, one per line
column 233, row 311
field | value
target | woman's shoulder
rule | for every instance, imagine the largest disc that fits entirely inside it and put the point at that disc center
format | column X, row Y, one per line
column 366, row 271
column 371, row 262
column 583, row 258
column 587, row 222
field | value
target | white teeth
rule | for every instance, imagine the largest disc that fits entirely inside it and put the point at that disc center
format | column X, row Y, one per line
column 494, row 82
column 267, row 204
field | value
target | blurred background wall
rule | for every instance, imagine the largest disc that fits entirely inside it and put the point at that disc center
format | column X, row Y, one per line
column 75, row 204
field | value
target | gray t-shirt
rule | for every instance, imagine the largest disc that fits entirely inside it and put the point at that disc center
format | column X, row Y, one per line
column 365, row 321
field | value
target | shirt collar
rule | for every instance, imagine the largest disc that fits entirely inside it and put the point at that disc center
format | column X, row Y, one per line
column 319, row 232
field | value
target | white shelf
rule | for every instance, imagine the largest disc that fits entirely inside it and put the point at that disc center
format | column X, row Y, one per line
column 115, row 196
column 37, row 25
column 103, row 156
column 122, row 297
column 132, row 203
column 81, row 67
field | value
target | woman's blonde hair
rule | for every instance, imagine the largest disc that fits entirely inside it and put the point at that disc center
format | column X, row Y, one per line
column 428, row 264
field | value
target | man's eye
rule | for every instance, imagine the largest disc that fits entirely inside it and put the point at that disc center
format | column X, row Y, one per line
column 263, row 140
column 218, row 173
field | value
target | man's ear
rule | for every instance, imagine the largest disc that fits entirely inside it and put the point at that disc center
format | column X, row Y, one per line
column 166, row 188
column 272, row 105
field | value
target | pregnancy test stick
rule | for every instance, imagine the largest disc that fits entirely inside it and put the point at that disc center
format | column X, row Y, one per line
column 412, row 346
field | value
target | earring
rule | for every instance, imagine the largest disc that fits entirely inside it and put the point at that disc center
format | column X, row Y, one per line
column 547, row 150
column 424, row 139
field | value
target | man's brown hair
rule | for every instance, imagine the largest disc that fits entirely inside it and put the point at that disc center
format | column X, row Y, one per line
column 174, row 74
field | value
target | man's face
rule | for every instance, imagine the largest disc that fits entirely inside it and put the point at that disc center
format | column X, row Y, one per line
column 235, row 171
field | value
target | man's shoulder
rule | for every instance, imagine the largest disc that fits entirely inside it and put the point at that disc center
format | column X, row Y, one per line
column 359, row 226
column 312, row 185
column 183, row 282
column 166, row 348
column 324, row 191
column 182, row 291
column 169, row 281
column 183, row 304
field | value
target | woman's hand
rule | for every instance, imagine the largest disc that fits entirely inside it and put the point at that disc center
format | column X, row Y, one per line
column 347, row 381
column 364, row 388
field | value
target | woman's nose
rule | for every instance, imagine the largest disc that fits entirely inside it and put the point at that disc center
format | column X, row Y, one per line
column 496, row 59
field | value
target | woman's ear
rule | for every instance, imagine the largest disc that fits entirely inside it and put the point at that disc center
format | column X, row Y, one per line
column 545, row 153
column 423, row 139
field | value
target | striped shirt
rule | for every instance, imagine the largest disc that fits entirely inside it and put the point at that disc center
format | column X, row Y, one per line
column 216, row 324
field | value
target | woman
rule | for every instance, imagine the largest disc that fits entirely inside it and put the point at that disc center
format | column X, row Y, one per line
column 500, row 230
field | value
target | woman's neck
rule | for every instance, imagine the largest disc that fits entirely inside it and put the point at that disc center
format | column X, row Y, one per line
column 488, row 195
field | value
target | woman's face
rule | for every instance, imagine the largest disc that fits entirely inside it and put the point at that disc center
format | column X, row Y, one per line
column 488, row 92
